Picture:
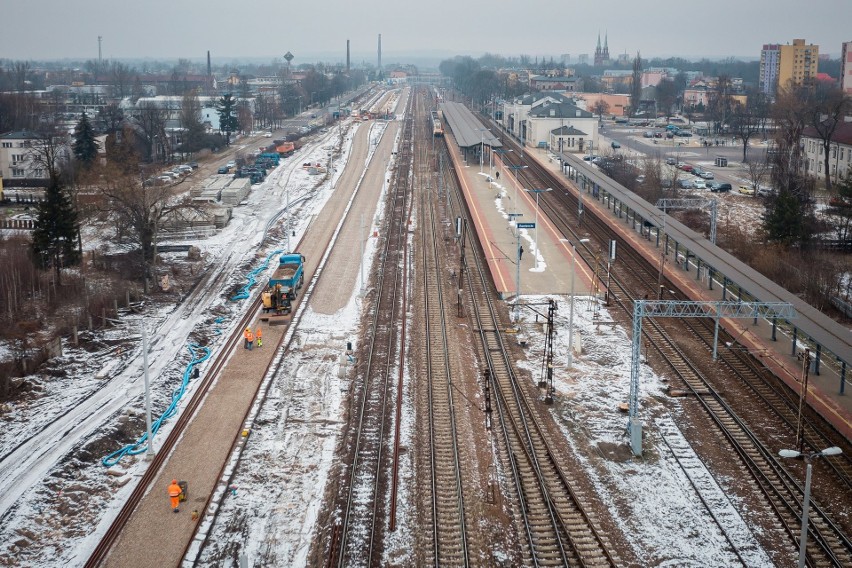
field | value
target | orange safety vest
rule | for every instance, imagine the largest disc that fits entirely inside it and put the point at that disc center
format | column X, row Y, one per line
column 247, row 334
column 175, row 490
column 259, row 333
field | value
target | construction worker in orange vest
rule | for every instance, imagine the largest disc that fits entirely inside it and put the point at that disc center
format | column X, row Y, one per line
column 174, row 494
column 249, row 336
column 259, row 335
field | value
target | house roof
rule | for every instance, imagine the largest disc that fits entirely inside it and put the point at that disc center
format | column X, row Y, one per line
column 546, row 79
column 842, row 135
column 559, row 110
column 20, row 135
column 567, row 131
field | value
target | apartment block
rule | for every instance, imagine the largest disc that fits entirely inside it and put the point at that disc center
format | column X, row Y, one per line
column 846, row 68
column 797, row 64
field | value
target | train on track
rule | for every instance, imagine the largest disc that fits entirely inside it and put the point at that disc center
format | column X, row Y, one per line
column 437, row 125
column 284, row 285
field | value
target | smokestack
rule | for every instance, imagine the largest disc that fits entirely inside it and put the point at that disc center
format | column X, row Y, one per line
column 347, row 56
column 208, row 64
column 380, row 55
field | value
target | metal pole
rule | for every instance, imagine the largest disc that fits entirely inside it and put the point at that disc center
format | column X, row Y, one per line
column 149, row 452
column 536, row 230
column 803, row 539
column 571, row 309
column 361, row 264
column 518, row 275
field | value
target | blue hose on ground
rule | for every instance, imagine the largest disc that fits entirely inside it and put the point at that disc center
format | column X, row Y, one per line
column 141, row 445
column 244, row 291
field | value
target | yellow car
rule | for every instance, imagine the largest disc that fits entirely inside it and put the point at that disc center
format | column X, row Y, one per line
column 746, row 190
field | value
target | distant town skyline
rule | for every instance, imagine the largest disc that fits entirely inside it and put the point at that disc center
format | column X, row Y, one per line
column 160, row 29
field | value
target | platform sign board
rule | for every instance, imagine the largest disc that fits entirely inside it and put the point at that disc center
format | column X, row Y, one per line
column 612, row 250
column 526, row 225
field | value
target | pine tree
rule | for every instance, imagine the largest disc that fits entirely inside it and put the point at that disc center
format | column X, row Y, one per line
column 228, row 122
column 85, row 146
column 54, row 239
column 786, row 219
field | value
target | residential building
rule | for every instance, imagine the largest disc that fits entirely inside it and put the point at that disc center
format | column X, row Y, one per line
column 770, row 57
column 797, row 63
column 551, row 120
column 559, row 84
column 839, row 152
column 19, row 160
column 846, row 68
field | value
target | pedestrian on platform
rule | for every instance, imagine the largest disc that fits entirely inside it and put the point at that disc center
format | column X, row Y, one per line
column 259, row 335
column 174, row 494
column 249, row 337
column 520, row 252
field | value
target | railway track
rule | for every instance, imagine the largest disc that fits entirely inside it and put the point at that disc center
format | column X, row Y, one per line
column 828, row 544
column 142, row 487
column 552, row 512
column 356, row 541
column 449, row 532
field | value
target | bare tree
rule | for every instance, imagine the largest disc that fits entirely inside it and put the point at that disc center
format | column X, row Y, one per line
column 747, row 119
column 758, row 172
column 139, row 211
column 600, row 108
column 21, row 70
column 636, row 85
column 826, row 115
column 152, row 120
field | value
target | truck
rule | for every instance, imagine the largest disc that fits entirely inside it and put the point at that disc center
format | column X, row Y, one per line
column 284, row 284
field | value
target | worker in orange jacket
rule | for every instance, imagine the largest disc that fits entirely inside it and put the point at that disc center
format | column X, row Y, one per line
column 249, row 337
column 259, row 335
column 174, row 494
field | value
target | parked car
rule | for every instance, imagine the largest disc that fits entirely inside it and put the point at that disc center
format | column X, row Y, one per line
column 683, row 133
column 685, row 167
column 685, row 184
column 720, row 187
column 746, row 190
column 170, row 174
column 658, row 134
column 615, row 145
column 765, row 191
column 666, row 183
column 185, row 168
column 640, row 178
column 647, row 134
column 671, row 161
column 193, row 165
column 165, row 179
column 699, row 183
column 707, row 175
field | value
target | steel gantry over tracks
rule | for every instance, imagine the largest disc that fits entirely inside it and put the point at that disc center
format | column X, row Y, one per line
column 687, row 309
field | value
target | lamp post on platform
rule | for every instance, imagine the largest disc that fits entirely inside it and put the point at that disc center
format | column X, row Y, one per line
column 537, row 192
column 571, row 305
column 832, row 451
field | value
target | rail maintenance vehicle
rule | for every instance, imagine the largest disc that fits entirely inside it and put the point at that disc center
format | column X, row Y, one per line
column 283, row 285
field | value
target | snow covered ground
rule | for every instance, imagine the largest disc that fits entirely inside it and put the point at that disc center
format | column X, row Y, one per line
column 53, row 488
column 54, row 492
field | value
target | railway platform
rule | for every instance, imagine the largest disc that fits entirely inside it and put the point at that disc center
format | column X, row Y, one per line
column 823, row 392
column 493, row 203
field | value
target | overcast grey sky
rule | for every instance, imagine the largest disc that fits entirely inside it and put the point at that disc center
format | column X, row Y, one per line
column 55, row 29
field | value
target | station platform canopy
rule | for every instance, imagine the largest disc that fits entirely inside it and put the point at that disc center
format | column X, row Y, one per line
column 466, row 128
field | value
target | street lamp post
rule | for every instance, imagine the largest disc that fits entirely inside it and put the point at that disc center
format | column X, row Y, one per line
column 571, row 305
column 832, row 451
column 516, row 169
column 536, row 192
